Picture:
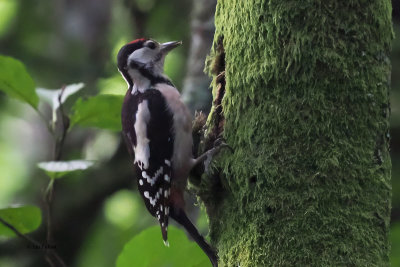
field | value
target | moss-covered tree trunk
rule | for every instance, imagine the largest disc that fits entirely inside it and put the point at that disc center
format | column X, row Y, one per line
column 305, row 108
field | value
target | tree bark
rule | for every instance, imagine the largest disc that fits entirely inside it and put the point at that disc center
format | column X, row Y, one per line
column 301, row 95
column 196, row 91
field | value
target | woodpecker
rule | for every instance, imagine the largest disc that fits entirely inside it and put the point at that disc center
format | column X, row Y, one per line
column 157, row 128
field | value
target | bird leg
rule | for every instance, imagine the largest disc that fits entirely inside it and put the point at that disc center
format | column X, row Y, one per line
column 207, row 156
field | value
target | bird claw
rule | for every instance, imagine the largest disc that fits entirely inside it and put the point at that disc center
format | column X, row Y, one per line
column 220, row 144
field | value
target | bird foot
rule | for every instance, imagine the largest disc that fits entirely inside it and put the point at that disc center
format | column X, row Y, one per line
column 207, row 157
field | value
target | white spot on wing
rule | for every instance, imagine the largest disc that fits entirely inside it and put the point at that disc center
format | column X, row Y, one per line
column 168, row 162
column 140, row 181
column 151, row 199
column 166, row 178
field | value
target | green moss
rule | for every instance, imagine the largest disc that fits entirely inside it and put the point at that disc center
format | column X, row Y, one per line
column 306, row 110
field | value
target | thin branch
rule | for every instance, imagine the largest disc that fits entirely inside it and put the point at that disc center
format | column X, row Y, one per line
column 60, row 142
column 36, row 244
column 49, row 193
column 43, row 118
column 18, row 233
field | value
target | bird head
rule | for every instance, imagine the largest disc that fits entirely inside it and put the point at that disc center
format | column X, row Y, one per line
column 143, row 59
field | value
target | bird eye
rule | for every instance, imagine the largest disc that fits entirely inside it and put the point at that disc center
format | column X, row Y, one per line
column 151, row 45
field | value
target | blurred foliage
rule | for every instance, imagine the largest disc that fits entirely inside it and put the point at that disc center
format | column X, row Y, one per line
column 102, row 111
column 61, row 43
column 8, row 10
column 395, row 239
column 119, row 220
column 101, row 147
column 16, row 82
column 121, row 209
column 13, row 168
column 144, row 250
column 64, row 42
column 25, row 219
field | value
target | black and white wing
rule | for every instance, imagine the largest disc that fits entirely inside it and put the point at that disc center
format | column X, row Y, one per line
column 147, row 127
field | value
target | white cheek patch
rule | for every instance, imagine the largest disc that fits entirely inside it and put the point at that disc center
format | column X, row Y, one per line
column 142, row 149
column 143, row 55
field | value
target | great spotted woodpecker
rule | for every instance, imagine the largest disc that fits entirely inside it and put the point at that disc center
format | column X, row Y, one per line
column 157, row 127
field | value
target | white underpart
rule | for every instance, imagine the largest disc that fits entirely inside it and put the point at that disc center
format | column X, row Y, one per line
column 152, row 180
column 142, row 149
column 182, row 157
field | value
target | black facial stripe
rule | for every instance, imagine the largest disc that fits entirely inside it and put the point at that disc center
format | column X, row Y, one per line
column 148, row 74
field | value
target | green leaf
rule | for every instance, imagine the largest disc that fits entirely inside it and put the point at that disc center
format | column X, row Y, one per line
column 57, row 169
column 101, row 111
column 25, row 219
column 147, row 249
column 114, row 85
column 16, row 82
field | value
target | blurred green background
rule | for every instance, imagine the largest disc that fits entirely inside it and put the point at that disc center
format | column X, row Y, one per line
column 70, row 41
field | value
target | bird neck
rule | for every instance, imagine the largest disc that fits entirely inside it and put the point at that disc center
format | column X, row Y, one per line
column 140, row 82
column 144, row 80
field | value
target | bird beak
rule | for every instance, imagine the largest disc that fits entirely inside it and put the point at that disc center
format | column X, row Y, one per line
column 168, row 46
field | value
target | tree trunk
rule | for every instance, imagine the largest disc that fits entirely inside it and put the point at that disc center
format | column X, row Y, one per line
column 305, row 108
column 196, row 91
